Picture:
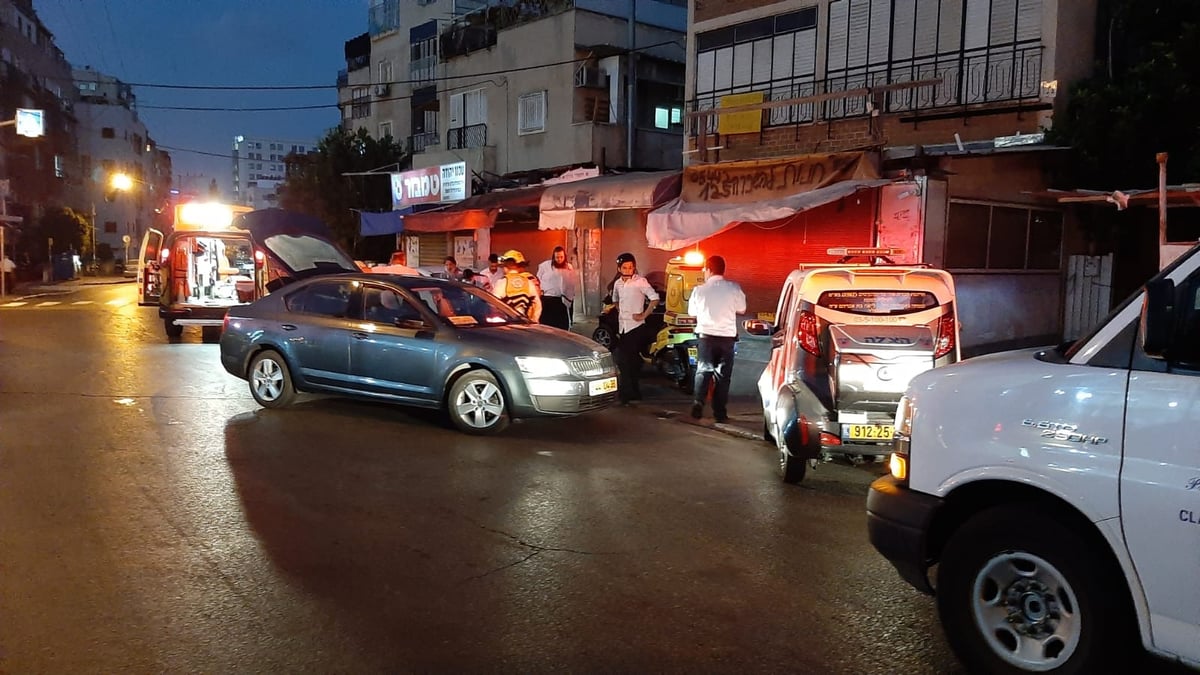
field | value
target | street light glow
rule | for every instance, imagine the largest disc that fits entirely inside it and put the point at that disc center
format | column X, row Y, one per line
column 121, row 181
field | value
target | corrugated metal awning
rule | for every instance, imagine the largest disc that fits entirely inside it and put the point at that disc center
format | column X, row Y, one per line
column 642, row 190
column 518, row 204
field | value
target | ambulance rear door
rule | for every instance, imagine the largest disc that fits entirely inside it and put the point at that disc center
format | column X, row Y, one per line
column 149, row 281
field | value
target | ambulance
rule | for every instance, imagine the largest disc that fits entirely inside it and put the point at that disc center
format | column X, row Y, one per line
column 221, row 255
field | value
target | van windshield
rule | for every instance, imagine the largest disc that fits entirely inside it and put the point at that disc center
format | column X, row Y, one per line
column 305, row 252
column 886, row 302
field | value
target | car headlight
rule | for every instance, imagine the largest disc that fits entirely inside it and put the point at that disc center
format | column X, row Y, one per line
column 542, row 366
column 898, row 462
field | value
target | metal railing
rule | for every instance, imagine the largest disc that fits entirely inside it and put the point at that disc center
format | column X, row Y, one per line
column 418, row 142
column 992, row 75
column 423, row 70
column 474, row 136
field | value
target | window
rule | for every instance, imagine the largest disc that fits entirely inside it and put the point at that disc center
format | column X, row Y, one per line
column 323, row 299
column 383, row 305
column 665, row 118
column 385, row 129
column 360, row 102
column 468, row 109
column 531, row 113
column 108, row 132
column 385, row 72
column 110, row 227
column 1001, row 237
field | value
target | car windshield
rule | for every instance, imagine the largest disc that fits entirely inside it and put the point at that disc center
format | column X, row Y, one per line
column 305, row 252
column 465, row 306
column 885, row 302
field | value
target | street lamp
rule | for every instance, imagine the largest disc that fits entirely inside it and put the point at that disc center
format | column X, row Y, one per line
column 117, row 182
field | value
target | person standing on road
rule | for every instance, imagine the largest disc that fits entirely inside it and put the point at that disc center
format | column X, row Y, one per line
column 636, row 300
column 557, row 278
column 494, row 272
column 8, row 268
column 715, row 304
column 518, row 288
column 452, row 270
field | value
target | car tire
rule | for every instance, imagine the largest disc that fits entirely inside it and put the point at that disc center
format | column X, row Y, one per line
column 210, row 333
column 767, row 435
column 792, row 469
column 603, row 336
column 270, row 380
column 1015, row 577
column 476, row 404
column 173, row 329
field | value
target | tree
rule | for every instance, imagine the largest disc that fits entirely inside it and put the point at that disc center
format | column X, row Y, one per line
column 317, row 183
column 1141, row 100
column 69, row 229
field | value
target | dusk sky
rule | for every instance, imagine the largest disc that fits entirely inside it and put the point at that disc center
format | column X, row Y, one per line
column 214, row 42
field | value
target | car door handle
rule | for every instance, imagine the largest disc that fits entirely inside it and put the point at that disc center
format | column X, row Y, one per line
column 360, row 336
column 288, row 326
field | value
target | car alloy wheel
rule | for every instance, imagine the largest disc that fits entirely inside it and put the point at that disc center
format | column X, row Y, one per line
column 270, row 380
column 476, row 403
column 603, row 336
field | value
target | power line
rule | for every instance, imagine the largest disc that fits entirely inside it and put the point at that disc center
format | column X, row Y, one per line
column 313, row 87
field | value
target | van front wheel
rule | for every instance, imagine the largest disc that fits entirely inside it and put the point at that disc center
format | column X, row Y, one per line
column 1020, row 591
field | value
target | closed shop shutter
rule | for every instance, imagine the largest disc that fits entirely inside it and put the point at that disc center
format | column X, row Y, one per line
column 759, row 256
column 434, row 249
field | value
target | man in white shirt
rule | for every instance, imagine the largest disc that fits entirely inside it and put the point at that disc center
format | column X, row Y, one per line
column 557, row 278
column 631, row 293
column 494, row 272
column 715, row 304
column 397, row 265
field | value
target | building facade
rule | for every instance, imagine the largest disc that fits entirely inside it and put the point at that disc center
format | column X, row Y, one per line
column 955, row 92
column 34, row 73
column 114, row 140
column 260, row 166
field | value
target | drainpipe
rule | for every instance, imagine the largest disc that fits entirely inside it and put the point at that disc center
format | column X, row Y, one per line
column 1162, row 198
column 631, row 86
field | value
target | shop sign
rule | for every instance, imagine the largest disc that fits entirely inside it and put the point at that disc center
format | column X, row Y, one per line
column 430, row 185
column 756, row 180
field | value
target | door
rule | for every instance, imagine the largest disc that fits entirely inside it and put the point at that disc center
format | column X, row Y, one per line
column 149, row 281
column 393, row 350
column 782, row 345
column 1160, row 482
column 315, row 331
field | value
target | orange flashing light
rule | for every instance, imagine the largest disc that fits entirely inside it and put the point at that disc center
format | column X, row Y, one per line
column 693, row 258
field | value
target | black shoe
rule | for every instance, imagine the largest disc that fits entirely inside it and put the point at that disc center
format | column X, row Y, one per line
column 697, row 411
column 722, row 419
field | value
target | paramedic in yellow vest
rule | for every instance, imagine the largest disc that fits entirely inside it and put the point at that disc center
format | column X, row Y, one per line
column 518, row 288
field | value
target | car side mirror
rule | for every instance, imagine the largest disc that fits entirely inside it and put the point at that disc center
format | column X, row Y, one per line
column 410, row 324
column 1158, row 318
column 759, row 327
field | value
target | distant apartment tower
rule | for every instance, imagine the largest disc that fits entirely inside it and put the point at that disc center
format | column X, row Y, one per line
column 114, row 140
column 260, row 165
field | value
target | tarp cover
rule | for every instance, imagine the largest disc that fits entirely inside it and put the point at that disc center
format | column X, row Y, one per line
column 680, row 224
column 479, row 211
column 639, row 190
column 388, row 222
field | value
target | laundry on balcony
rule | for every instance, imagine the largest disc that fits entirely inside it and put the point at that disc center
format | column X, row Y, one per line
column 716, row 197
column 485, row 210
column 637, row 190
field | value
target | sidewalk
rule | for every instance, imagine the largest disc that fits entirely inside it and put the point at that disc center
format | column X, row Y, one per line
column 41, row 287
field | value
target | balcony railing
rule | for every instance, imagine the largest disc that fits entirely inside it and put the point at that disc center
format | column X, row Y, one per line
column 418, row 142
column 383, row 17
column 992, row 75
column 423, row 70
column 474, row 136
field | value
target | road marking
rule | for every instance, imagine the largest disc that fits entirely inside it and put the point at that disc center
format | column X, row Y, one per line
column 82, row 302
column 118, row 303
column 14, row 304
column 49, row 303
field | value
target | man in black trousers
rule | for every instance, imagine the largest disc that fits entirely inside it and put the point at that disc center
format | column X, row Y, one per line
column 715, row 304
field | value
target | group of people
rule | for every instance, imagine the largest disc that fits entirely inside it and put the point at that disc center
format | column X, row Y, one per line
column 545, row 297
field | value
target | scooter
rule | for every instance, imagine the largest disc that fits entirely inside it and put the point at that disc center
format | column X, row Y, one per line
column 673, row 351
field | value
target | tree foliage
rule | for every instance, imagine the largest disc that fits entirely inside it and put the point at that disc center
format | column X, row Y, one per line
column 318, row 184
column 1142, row 98
column 70, row 230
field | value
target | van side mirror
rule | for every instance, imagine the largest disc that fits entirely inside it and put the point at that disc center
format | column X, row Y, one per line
column 1158, row 318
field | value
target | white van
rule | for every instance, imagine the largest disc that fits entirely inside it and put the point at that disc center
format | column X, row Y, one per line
column 1057, row 492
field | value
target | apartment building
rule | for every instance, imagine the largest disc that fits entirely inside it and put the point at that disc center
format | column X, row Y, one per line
column 34, row 73
column 259, row 167
column 951, row 94
column 113, row 140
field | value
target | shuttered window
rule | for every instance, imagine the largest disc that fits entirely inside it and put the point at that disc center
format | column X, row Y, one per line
column 751, row 56
column 531, row 113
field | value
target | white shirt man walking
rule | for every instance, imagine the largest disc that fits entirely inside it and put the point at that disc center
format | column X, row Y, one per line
column 557, row 278
column 715, row 304
column 632, row 293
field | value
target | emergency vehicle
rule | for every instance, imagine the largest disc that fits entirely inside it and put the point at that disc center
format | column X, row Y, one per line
column 1056, row 492
column 221, row 255
column 848, row 338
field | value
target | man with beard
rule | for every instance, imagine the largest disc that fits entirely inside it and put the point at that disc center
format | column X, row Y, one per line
column 557, row 278
column 632, row 293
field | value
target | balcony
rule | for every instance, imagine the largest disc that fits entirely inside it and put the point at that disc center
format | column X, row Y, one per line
column 1009, row 74
column 473, row 136
column 418, row 142
column 383, row 17
column 423, row 70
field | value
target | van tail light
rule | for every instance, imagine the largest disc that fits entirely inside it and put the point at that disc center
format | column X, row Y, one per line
column 945, row 336
column 828, row 439
column 809, row 332
column 259, row 256
column 165, row 255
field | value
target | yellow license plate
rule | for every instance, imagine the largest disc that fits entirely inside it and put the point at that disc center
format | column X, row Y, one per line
column 598, row 387
column 870, row 432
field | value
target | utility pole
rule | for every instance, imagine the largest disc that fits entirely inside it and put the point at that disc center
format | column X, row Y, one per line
column 631, row 87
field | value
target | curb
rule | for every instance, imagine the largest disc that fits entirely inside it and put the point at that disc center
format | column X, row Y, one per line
column 724, row 427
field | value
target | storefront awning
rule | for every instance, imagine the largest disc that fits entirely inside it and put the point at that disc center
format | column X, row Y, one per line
column 644, row 190
column 479, row 211
column 716, row 197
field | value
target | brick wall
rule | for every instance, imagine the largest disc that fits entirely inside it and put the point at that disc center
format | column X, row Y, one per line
column 858, row 133
column 712, row 9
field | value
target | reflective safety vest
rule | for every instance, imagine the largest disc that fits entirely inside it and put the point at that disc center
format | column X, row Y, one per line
column 520, row 289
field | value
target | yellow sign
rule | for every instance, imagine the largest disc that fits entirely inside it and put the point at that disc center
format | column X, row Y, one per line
column 749, row 122
column 749, row 181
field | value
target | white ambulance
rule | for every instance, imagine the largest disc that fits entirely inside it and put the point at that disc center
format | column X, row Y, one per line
column 1057, row 492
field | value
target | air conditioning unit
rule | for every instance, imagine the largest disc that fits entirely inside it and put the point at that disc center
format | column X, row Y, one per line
column 382, row 89
column 591, row 77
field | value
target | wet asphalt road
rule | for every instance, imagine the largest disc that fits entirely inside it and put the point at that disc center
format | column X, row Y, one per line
column 153, row 518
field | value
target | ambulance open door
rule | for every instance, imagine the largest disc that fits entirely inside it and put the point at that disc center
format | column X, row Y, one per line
column 149, row 281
